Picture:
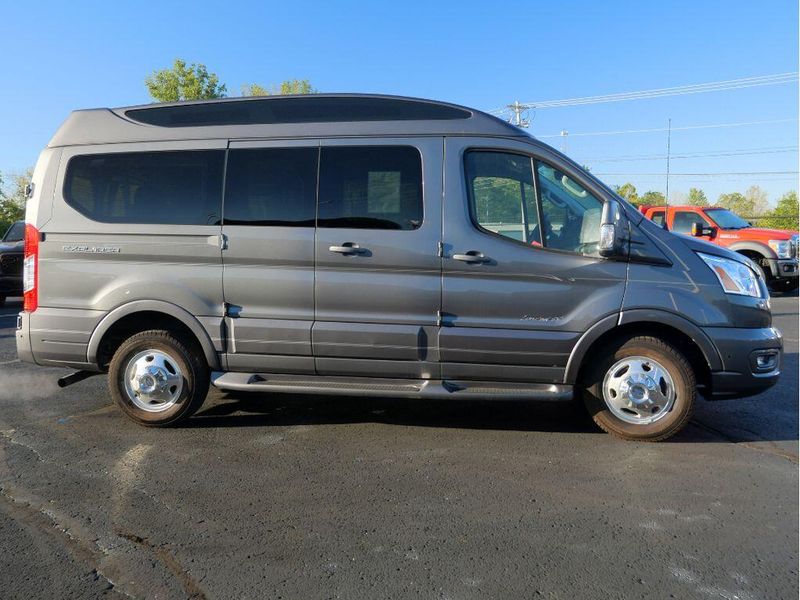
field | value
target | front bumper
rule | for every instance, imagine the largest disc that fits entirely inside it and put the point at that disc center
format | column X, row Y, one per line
column 783, row 268
column 739, row 349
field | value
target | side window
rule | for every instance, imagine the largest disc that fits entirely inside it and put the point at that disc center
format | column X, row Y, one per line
column 502, row 199
column 658, row 217
column 370, row 187
column 15, row 233
column 570, row 214
column 683, row 220
column 271, row 186
column 175, row 187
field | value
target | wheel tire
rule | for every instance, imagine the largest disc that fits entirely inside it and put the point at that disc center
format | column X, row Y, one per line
column 784, row 285
column 675, row 364
column 187, row 362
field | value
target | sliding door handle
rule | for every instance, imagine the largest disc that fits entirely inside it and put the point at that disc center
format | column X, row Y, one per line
column 348, row 248
column 473, row 257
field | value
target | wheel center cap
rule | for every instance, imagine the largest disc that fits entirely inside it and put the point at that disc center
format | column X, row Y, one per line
column 638, row 392
column 153, row 378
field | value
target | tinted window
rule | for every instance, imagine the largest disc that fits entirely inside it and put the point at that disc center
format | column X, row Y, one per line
column 370, row 187
column 15, row 233
column 271, row 186
column 683, row 220
column 658, row 218
column 501, row 195
column 178, row 188
column 570, row 214
column 306, row 109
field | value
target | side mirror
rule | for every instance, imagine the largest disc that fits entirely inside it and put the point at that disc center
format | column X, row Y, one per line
column 612, row 231
column 700, row 230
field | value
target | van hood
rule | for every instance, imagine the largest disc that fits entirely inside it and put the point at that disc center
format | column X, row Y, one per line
column 705, row 247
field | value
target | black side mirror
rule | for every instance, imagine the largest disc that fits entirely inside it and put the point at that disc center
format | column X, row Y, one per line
column 700, row 230
column 612, row 230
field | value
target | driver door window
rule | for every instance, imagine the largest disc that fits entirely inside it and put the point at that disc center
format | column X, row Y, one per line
column 683, row 220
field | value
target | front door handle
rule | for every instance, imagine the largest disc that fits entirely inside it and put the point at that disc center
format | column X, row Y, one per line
column 472, row 257
column 348, row 248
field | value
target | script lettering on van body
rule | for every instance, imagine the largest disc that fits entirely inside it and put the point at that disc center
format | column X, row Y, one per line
column 91, row 249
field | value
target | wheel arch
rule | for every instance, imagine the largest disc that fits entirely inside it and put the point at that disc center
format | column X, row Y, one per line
column 141, row 315
column 687, row 336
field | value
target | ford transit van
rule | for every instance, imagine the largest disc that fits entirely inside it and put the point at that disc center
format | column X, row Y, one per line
column 374, row 246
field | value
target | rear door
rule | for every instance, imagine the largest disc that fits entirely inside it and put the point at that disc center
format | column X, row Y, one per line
column 522, row 280
column 378, row 273
column 268, row 225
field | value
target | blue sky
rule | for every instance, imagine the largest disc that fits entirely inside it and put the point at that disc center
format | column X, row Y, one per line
column 59, row 56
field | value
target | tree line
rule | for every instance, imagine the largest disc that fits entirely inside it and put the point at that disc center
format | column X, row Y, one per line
column 753, row 204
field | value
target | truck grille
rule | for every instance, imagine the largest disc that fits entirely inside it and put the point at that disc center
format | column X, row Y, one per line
column 11, row 264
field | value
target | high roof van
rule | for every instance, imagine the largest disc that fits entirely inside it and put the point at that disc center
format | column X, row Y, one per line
column 373, row 246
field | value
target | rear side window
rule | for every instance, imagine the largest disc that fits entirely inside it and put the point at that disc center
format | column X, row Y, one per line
column 271, row 186
column 173, row 188
column 370, row 187
column 658, row 217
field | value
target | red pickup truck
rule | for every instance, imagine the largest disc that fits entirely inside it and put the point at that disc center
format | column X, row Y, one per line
column 773, row 250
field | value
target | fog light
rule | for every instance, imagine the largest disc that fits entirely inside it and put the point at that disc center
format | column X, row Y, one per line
column 764, row 361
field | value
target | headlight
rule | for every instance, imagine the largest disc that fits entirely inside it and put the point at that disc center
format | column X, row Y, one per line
column 734, row 277
column 783, row 248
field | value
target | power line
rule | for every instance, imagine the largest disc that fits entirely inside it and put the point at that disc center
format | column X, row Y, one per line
column 749, row 173
column 661, row 129
column 713, row 86
column 706, row 154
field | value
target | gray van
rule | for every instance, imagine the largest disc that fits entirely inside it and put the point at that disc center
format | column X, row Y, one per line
column 371, row 245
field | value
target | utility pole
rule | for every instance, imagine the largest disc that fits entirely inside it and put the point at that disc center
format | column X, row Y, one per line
column 666, row 196
column 518, row 109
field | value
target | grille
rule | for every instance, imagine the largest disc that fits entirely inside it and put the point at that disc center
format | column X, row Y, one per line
column 11, row 264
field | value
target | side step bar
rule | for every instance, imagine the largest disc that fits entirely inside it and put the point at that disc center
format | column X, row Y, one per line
column 394, row 388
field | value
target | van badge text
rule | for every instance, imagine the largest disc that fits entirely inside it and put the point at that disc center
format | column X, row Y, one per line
column 91, row 249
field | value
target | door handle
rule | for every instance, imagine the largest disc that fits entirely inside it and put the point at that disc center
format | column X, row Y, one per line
column 472, row 257
column 348, row 248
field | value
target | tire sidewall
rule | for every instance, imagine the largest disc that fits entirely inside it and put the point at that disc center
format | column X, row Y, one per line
column 682, row 377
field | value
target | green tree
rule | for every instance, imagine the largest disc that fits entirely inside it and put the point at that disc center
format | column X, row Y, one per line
column 12, row 203
column 697, row 197
column 653, row 198
column 285, row 88
column 785, row 215
column 184, row 82
column 628, row 191
column 737, row 203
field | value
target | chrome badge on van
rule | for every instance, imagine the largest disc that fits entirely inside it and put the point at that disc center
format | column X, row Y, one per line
column 91, row 249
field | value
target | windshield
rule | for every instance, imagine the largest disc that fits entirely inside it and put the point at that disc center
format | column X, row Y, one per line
column 727, row 219
column 15, row 233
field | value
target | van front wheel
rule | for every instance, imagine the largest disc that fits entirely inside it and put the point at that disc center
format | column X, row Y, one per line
column 643, row 389
column 157, row 379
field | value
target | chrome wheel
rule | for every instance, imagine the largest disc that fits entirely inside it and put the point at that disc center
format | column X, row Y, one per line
column 153, row 380
column 638, row 390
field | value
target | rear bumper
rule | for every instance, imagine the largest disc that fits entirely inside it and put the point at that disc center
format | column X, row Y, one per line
column 740, row 350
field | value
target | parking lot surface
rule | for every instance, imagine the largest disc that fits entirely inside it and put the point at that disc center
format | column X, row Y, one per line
column 311, row 497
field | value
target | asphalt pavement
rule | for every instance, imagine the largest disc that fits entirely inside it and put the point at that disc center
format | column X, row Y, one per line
column 312, row 497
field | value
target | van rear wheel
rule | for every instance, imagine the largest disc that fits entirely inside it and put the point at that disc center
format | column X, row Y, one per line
column 642, row 389
column 157, row 379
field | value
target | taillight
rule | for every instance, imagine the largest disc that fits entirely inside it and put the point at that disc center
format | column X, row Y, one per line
column 30, row 269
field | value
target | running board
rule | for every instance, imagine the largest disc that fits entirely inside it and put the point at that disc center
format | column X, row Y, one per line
column 394, row 388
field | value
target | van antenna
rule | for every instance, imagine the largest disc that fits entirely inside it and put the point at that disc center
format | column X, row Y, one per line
column 666, row 196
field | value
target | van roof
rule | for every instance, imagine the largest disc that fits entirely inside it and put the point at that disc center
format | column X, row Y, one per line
column 311, row 115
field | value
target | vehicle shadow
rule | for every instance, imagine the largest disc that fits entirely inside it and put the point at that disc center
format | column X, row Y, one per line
column 742, row 420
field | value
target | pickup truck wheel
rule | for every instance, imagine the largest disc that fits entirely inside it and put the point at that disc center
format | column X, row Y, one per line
column 642, row 389
column 157, row 379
